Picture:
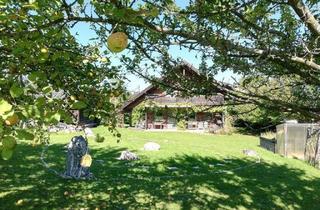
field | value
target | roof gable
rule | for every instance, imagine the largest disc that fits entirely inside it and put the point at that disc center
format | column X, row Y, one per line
column 187, row 69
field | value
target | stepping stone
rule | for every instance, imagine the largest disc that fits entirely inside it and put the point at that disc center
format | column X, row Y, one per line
column 151, row 146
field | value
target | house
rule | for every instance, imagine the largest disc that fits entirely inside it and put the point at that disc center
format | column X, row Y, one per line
column 154, row 108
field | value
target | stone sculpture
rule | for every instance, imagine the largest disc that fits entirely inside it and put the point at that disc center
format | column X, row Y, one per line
column 78, row 159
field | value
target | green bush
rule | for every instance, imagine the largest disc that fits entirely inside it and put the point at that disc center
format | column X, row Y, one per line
column 99, row 138
column 182, row 125
column 268, row 135
column 228, row 127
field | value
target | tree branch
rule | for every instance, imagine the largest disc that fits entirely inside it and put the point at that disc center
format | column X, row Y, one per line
column 306, row 16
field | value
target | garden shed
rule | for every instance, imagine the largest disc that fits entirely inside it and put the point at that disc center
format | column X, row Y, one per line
column 292, row 139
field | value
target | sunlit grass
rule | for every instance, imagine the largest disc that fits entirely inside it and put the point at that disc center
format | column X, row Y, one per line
column 191, row 171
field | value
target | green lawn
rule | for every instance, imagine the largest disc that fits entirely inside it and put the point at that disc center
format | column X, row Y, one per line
column 205, row 177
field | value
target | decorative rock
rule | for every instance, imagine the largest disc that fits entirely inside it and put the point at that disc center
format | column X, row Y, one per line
column 89, row 132
column 151, row 146
column 53, row 130
column 126, row 155
column 64, row 128
column 77, row 148
column 250, row 153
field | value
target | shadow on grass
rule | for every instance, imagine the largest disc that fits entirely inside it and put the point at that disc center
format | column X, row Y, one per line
column 184, row 182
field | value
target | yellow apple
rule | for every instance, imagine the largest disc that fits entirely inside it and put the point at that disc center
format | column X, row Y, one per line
column 20, row 202
column 44, row 50
column 73, row 98
column 117, row 42
column 86, row 161
column 12, row 120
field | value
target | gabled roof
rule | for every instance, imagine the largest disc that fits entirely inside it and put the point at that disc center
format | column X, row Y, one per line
column 137, row 98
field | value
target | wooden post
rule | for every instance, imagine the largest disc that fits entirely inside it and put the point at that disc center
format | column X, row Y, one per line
column 222, row 118
column 130, row 119
column 146, row 119
column 122, row 119
column 165, row 117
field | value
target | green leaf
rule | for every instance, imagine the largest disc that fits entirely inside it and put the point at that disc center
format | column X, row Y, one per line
column 40, row 102
column 24, row 135
column 57, row 117
column 66, row 117
column 31, row 111
column 154, row 12
column 6, row 153
column 16, row 91
column 47, row 89
column 53, row 117
column 9, row 142
column 34, row 76
column 4, row 107
column 78, row 105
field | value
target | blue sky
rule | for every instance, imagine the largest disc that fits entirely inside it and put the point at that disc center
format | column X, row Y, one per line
column 84, row 33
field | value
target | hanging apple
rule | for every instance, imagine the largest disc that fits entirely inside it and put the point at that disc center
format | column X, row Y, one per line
column 12, row 120
column 44, row 50
column 117, row 42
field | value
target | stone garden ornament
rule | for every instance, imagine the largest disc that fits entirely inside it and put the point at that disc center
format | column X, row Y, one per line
column 78, row 160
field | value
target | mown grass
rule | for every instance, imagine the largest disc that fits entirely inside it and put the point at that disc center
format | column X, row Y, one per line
column 204, row 175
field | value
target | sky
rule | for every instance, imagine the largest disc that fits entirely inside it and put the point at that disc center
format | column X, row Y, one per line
column 83, row 33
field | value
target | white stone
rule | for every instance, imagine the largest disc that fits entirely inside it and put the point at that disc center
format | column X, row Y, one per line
column 126, row 155
column 151, row 146
column 53, row 130
column 250, row 153
column 88, row 132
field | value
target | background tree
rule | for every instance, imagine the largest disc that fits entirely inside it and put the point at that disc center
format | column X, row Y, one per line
column 45, row 74
column 257, row 118
column 253, row 38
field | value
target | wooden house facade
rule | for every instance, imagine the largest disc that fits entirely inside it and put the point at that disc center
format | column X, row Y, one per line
column 167, row 111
